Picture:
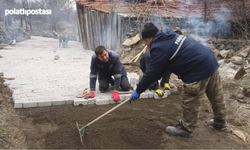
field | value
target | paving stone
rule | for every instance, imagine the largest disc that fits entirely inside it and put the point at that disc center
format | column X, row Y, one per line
column 91, row 101
column 126, row 96
column 18, row 105
column 168, row 92
column 44, row 103
column 79, row 101
column 69, row 102
column 150, row 94
column 122, row 97
column 58, row 102
column 133, row 83
column 102, row 101
column 29, row 104
column 144, row 95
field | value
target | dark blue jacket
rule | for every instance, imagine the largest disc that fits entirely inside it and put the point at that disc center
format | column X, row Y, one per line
column 193, row 62
column 113, row 67
column 145, row 59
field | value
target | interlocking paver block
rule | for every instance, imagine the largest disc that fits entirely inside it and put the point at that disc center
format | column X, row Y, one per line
column 122, row 97
column 44, row 103
column 102, row 101
column 150, row 94
column 58, row 102
column 29, row 104
column 79, row 101
column 133, row 83
column 168, row 92
column 18, row 105
column 144, row 95
column 69, row 102
column 92, row 101
column 126, row 96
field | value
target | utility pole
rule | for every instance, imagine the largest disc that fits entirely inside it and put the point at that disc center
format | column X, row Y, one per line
column 111, row 20
column 205, row 10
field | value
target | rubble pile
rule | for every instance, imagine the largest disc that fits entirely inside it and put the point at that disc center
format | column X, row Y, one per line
column 235, row 51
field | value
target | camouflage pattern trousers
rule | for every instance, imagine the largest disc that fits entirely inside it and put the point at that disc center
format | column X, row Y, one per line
column 192, row 96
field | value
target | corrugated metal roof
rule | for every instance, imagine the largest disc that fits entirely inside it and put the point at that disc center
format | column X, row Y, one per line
column 177, row 9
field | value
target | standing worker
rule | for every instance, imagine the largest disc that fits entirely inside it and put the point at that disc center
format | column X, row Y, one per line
column 107, row 64
column 195, row 65
column 165, row 79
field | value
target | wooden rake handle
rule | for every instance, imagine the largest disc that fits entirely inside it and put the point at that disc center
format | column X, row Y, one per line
column 104, row 114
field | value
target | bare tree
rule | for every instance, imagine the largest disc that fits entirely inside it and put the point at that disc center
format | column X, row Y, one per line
column 58, row 8
column 6, row 4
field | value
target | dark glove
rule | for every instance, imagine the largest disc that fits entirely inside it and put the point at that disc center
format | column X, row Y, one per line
column 115, row 96
column 90, row 95
column 134, row 96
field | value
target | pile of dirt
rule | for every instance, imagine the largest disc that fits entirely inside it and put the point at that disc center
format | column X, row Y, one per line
column 11, row 127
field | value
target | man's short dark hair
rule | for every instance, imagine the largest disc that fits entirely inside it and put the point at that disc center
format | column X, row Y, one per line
column 99, row 50
column 149, row 30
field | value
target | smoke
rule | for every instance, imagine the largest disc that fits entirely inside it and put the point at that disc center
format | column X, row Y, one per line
column 159, row 22
column 218, row 24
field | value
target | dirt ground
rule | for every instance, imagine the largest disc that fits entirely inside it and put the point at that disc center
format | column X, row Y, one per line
column 139, row 125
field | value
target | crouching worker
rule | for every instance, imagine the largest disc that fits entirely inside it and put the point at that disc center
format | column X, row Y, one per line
column 107, row 64
column 195, row 65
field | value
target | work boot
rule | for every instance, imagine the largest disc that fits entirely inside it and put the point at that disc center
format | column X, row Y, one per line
column 179, row 130
column 218, row 123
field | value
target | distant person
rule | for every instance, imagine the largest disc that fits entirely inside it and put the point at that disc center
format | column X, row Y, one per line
column 195, row 65
column 107, row 65
column 63, row 41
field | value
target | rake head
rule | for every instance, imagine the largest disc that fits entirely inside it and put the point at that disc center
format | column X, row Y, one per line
column 81, row 132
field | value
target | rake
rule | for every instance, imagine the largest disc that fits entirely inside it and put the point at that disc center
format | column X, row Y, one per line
column 82, row 130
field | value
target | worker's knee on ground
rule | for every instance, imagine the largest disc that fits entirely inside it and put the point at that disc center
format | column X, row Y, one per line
column 103, row 88
column 125, row 87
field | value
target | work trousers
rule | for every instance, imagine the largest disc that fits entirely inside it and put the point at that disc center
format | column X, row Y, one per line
column 192, row 96
column 105, row 81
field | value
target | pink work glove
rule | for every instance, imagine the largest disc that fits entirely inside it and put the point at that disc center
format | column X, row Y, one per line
column 90, row 95
column 115, row 96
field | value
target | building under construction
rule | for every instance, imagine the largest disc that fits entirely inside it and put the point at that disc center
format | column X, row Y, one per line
column 107, row 23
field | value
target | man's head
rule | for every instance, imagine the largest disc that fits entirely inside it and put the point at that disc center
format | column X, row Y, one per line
column 102, row 53
column 148, row 33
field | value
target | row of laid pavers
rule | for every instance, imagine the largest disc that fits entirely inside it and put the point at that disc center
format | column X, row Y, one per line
column 100, row 99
